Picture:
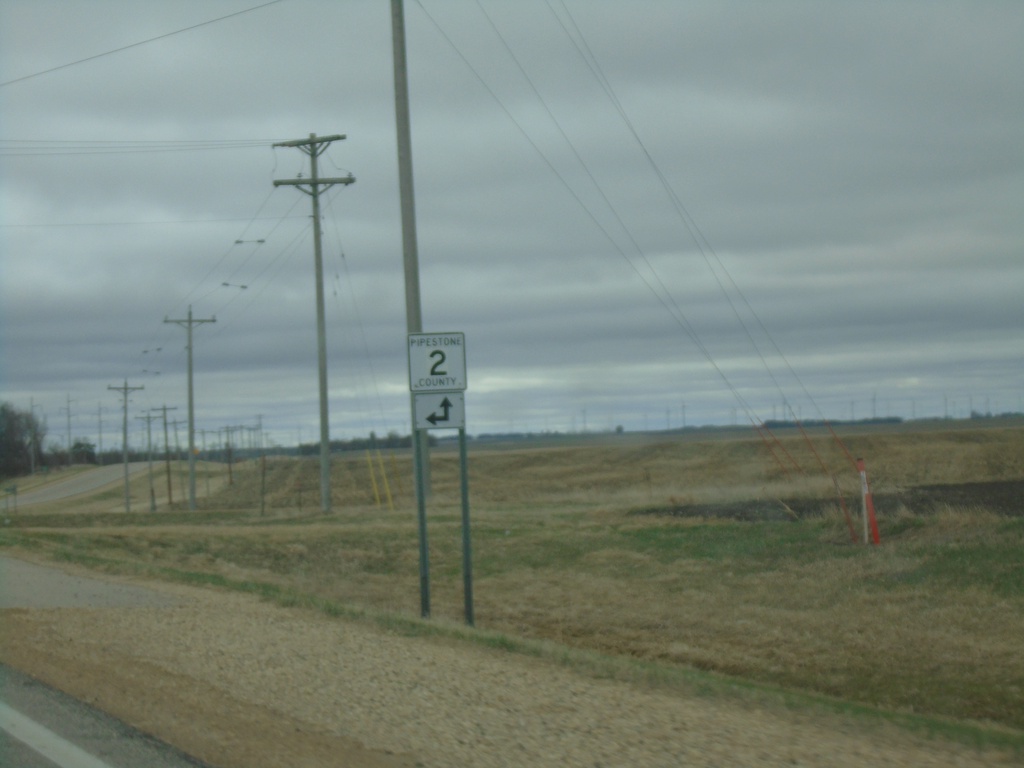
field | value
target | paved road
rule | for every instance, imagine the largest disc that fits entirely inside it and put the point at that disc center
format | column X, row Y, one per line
column 41, row 727
column 79, row 483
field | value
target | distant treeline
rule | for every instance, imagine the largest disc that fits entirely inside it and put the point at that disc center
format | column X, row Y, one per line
column 393, row 441
column 784, row 423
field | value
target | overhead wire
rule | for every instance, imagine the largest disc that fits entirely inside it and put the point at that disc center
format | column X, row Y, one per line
column 655, row 284
column 158, row 350
column 137, row 44
column 256, row 285
column 595, row 220
column 701, row 242
column 258, row 244
column 652, row 279
column 12, row 148
column 230, row 248
column 360, row 326
column 62, row 148
column 663, row 296
column 590, row 60
column 136, row 223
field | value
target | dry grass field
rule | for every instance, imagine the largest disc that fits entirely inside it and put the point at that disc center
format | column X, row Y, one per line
column 675, row 560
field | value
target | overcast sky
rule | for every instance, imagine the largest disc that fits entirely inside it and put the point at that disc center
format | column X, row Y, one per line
column 637, row 212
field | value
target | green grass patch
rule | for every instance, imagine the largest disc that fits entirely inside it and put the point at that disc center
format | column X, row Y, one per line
column 995, row 566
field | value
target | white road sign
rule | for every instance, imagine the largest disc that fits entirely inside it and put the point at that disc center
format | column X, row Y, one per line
column 437, row 362
column 440, row 410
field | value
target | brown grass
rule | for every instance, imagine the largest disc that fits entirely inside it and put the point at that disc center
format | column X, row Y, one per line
column 929, row 622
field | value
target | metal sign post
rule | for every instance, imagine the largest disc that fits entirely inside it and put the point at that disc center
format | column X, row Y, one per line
column 467, row 556
column 437, row 380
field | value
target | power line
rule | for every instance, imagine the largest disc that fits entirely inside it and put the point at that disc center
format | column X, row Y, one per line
column 155, row 348
column 655, row 283
column 230, row 248
column 147, row 223
column 698, row 237
column 136, row 45
column 355, row 311
column 61, row 148
column 255, row 284
column 663, row 295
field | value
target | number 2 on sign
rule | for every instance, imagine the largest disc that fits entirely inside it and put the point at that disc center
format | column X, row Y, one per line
column 435, row 369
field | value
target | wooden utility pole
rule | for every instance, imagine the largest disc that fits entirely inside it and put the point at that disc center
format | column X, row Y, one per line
column 410, row 260
column 33, row 437
column 315, row 146
column 187, row 325
column 99, row 434
column 177, row 454
column 148, row 418
column 228, row 449
column 68, row 411
column 167, row 453
column 124, row 390
column 407, row 200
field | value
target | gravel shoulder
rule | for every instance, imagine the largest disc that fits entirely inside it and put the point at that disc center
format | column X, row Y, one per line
column 235, row 681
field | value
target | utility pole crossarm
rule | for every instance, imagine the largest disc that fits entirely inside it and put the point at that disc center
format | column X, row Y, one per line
column 185, row 322
column 349, row 179
column 311, row 141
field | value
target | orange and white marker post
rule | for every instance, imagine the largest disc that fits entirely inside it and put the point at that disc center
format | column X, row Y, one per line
column 868, row 504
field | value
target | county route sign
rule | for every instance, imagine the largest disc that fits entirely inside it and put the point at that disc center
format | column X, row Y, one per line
column 437, row 362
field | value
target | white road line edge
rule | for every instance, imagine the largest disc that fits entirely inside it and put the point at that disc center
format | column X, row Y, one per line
column 46, row 742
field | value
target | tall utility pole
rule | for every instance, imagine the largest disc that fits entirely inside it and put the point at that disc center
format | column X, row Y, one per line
column 187, row 325
column 177, row 452
column 99, row 434
column 124, row 390
column 167, row 452
column 407, row 199
column 33, row 436
column 148, row 418
column 410, row 260
column 410, row 255
column 68, row 410
column 227, row 452
column 315, row 146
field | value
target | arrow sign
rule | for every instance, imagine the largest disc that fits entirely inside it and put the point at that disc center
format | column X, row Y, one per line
column 440, row 410
column 446, row 404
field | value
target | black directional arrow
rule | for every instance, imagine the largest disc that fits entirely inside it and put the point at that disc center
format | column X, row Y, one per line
column 434, row 418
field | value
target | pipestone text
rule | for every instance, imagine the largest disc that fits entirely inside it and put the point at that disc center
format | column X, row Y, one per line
column 437, row 381
column 435, row 341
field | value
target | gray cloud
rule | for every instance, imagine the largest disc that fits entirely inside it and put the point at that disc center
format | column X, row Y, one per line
column 855, row 167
